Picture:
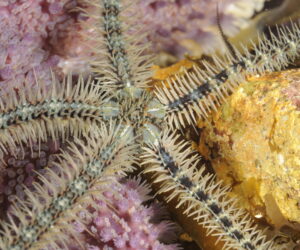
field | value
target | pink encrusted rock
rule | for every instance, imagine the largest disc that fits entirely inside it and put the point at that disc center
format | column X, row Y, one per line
column 30, row 39
column 293, row 92
column 177, row 26
column 21, row 168
column 126, row 223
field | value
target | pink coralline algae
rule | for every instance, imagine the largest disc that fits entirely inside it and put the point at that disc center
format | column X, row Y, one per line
column 177, row 25
column 31, row 37
column 126, row 223
column 21, row 169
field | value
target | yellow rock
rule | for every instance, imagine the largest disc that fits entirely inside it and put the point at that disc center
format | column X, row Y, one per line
column 253, row 142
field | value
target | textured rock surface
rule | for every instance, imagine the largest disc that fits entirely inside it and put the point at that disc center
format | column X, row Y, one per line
column 253, row 142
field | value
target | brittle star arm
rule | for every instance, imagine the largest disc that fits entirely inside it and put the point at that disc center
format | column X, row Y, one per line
column 45, row 217
column 195, row 93
column 66, row 109
column 176, row 168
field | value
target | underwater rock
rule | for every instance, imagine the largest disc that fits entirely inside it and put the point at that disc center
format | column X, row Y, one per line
column 253, row 143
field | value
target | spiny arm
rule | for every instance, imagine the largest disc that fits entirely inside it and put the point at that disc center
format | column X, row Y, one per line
column 195, row 93
column 67, row 108
column 117, row 41
column 175, row 167
column 43, row 219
